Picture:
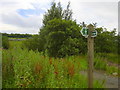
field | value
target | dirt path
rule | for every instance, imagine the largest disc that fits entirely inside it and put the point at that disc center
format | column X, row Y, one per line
column 110, row 81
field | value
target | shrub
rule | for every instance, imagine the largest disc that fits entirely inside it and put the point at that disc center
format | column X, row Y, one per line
column 100, row 64
column 5, row 42
column 32, row 43
column 62, row 38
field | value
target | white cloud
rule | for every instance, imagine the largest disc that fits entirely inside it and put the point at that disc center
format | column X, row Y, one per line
column 103, row 12
column 17, row 23
column 11, row 21
column 17, row 20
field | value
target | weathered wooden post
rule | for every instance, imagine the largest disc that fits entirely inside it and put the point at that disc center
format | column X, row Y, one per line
column 90, row 42
column 89, row 33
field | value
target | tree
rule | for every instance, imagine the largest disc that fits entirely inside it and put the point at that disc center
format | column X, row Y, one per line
column 67, row 14
column 53, row 12
column 63, row 38
column 56, row 11
column 106, row 41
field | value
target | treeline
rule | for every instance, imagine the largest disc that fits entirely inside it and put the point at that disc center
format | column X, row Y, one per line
column 60, row 35
column 17, row 35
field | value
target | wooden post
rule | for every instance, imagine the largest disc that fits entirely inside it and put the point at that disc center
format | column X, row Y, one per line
column 90, row 56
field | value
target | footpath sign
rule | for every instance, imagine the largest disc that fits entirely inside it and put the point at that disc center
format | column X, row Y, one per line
column 84, row 32
column 94, row 33
column 89, row 32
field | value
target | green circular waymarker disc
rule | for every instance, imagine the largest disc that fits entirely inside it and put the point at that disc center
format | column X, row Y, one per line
column 84, row 32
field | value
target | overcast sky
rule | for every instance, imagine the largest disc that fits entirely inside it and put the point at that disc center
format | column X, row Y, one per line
column 25, row 16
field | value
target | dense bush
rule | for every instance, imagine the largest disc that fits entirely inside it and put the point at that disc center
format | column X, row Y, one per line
column 5, row 42
column 32, row 43
column 106, row 41
column 63, row 38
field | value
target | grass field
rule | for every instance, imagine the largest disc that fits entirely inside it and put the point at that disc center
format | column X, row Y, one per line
column 17, row 38
column 15, row 44
column 30, row 69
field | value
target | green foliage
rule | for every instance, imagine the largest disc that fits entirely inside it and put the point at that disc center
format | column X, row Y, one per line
column 111, row 57
column 54, row 12
column 15, row 44
column 100, row 64
column 112, row 69
column 62, row 38
column 5, row 42
column 55, row 31
column 29, row 69
column 34, row 43
column 67, row 14
column 7, row 69
column 51, row 32
column 59, row 37
column 106, row 41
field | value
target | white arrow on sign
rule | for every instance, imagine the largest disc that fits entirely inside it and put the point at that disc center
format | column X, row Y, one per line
column 84, row 32
column 94, row 33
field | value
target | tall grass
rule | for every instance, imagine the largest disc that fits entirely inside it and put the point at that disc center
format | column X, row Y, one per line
column 15, row 44
column 100, row 63
column 111, row 57
column 29, row 69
